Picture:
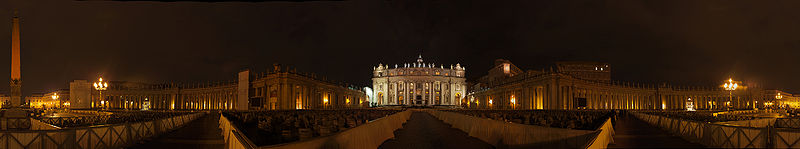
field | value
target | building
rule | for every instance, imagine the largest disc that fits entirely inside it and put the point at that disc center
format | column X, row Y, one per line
column 777, row 98
column 288, row 89
column 594, row 71
column 418, row 84
column 274, row 90
column 587, row 85
column 55, row 99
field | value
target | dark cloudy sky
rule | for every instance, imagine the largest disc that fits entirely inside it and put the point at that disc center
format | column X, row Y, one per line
column 682, row 42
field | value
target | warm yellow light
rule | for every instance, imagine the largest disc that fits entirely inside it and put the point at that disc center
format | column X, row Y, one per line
column 490, row 101
column 101, row 79
column 513, row 99
column 506, row 68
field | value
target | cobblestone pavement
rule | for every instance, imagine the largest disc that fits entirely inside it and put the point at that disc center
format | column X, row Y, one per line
column 634, row 133
column 203, row 133
column 423, row 131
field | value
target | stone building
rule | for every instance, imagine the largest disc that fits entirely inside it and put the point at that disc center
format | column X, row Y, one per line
column 275, row 90
column 55, row 99
column 587, row 85
column 418, row 84
column 288, row 89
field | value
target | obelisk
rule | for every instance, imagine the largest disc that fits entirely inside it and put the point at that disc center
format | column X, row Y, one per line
column 16, row 79
column 15, row 117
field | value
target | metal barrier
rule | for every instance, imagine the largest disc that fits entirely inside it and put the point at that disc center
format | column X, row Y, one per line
column 712, row 135
column 751, row 123
column 39, row 125
column 101, row 136
column 787, row 123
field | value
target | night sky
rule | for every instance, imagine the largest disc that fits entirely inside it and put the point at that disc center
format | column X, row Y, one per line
column 681, row 42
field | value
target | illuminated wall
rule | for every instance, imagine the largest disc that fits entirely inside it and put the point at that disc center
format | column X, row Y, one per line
column 559, row 90
column 419, row 84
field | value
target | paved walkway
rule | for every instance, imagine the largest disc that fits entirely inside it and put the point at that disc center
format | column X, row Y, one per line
column 634, row 133
column 203, row 133
column 423, row 131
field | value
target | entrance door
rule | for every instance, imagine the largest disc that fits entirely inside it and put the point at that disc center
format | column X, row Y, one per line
column 418, row 100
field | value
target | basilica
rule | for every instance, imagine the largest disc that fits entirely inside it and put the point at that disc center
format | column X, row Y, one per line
column 418, row 84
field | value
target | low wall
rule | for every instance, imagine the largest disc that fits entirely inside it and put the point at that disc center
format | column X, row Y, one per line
column 711, row 135
column 509, row 135
column 367, row 136
column 90, row 112
column 101, row 136
column 751, row 123
column 39, row 125
column 234, row 139
column 606, row 136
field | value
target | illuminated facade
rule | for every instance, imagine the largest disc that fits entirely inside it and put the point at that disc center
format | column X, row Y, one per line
column 55, row 99
column 418, row 84
column 275, row 90
column 586, row 86
column 777, row 98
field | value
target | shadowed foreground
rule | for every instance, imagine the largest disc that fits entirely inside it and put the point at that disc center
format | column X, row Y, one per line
column 635, row 133
column 423, row 131
column 202, row 133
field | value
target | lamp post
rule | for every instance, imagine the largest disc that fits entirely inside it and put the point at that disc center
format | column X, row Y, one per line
column 730, row 86
column 777, row 98
column 55, row 98
column 101, row 86
column 513, row 102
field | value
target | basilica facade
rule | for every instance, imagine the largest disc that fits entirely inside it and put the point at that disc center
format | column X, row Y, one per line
column 418, row 84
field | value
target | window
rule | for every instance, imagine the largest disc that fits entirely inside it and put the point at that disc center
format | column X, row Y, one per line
column 506, row 68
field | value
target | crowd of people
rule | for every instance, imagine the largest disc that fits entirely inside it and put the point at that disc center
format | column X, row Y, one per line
column 701, row 116
column 116, row 117
column 571, row 119
column 283, row 126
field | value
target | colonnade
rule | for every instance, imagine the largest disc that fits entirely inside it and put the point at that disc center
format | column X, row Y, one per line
column 564, row 92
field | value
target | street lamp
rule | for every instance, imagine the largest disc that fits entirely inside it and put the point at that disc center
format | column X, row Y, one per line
column 55, row 97
column 730, row 86
column 100, row 86
column 513, row 102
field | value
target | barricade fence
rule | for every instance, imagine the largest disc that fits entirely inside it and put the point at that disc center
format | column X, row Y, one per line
column 721, row 135
column 100, row 136
column 787, row 123
column 39, row 125
column 511, row 135
column 751, row 123
column 367, row 136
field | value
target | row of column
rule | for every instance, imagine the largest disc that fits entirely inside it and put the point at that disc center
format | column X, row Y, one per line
column 405, row 93
column 569, row 97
